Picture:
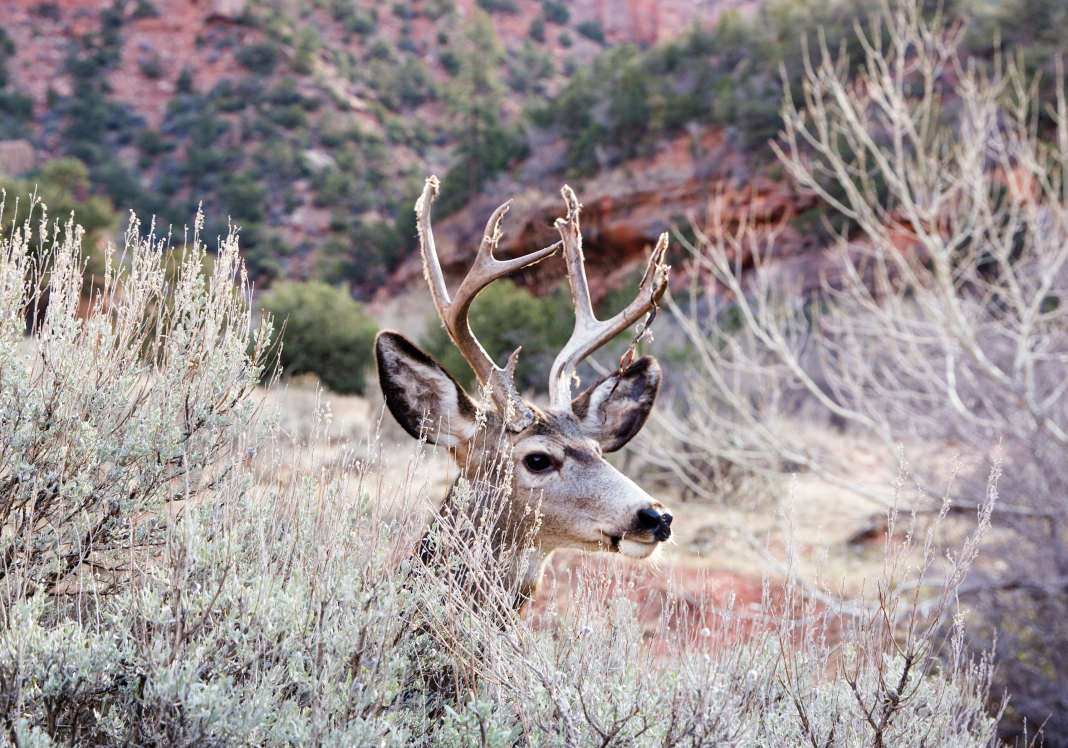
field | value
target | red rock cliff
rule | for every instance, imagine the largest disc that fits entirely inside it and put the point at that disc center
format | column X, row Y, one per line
column 624, row 211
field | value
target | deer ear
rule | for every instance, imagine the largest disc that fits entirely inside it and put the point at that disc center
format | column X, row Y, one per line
column 421, row 395
column 613, row 409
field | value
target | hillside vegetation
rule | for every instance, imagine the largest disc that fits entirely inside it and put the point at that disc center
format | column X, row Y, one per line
column 311, row 125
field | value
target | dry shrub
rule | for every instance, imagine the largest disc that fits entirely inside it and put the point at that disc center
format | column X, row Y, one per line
column 119, row 412
column 940, row 325
column 220, row 597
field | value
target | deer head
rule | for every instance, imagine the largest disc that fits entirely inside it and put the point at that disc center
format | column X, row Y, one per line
column 556, row 454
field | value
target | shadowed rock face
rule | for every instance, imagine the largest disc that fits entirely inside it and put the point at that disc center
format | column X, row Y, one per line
column 624, row 210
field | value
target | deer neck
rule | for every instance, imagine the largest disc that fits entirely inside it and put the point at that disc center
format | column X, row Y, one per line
column 481, row 514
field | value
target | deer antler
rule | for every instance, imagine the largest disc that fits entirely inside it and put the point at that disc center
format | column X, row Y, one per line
column 454, row 312
column 591, row 333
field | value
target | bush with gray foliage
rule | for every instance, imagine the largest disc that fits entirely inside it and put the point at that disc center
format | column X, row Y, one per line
column 175, row 573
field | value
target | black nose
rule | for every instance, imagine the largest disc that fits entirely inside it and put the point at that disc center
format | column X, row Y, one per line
column 656, row 521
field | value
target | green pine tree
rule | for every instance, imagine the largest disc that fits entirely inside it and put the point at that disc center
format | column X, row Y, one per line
column 484, row 146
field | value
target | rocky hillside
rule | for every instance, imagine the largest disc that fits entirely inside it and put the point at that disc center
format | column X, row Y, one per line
column 310, row 124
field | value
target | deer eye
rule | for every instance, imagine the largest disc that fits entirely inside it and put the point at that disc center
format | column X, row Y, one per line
column 538, row 463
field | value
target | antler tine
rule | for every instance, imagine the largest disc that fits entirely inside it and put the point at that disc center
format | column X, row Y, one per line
column 431, row 264
column 454, row 312
column 591, row 333
column 487, row 269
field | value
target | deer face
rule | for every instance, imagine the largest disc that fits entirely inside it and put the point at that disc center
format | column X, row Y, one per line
column 558, row 467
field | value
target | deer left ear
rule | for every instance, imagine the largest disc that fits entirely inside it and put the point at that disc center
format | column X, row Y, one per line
column 613, row 410
column 421, row 395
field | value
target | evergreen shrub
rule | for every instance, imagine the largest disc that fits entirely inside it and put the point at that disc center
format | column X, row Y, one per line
column 325, row 333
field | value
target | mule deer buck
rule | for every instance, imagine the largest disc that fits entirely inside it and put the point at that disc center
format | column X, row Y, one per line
column 553, row 457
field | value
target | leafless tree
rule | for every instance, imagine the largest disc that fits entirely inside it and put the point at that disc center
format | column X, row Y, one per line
column 940, row 325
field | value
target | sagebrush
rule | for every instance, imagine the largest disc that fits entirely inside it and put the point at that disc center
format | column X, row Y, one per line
column 177, row 573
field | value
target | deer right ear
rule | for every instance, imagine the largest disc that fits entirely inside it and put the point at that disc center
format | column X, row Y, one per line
column 421, row 395
column 614, row 409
